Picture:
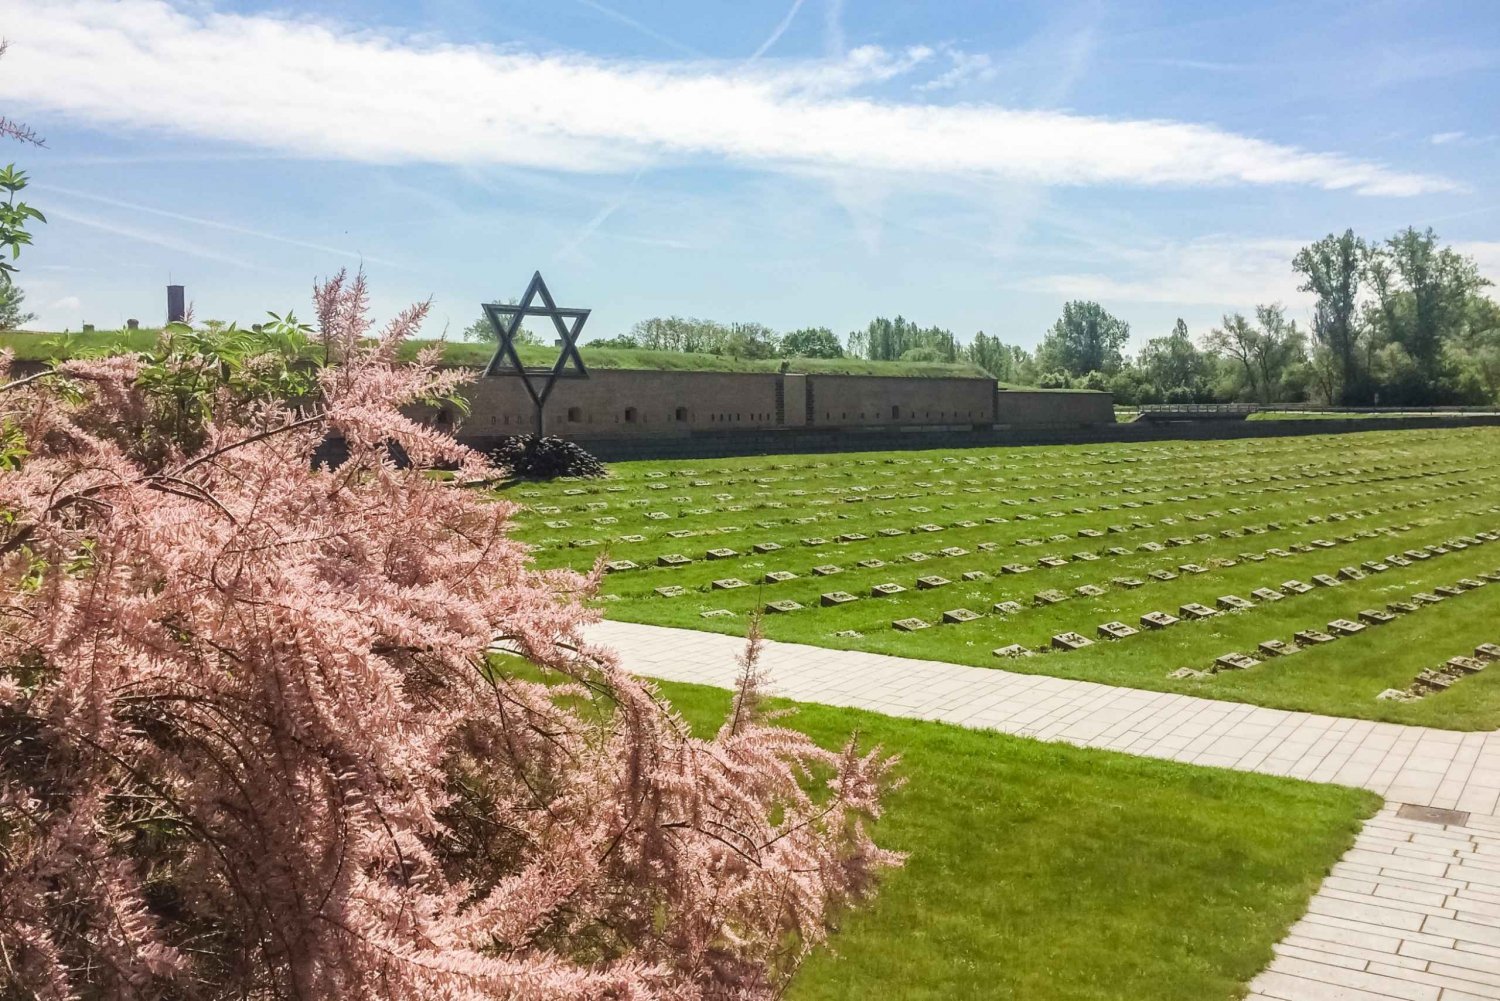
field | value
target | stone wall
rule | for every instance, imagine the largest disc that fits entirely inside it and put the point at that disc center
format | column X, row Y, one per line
column 634, row 404
column 1021, row 408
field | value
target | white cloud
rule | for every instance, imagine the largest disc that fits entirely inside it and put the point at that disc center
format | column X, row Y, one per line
column 1224, row 272
column 1443, row 138
column 1486, row 254
column 321, row 90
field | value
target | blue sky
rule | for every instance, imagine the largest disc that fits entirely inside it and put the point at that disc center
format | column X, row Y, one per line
column 817, row 162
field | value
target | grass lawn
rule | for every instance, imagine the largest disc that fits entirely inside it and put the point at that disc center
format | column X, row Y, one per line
column 1116, row 530
column 1051, row 873
column 37, row 346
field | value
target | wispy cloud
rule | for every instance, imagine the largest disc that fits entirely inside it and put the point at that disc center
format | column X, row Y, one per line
column 216, row 224
column 778, row 31
column 643, row 28
column 1444, row 138
column 381, row 98
column 152, row 237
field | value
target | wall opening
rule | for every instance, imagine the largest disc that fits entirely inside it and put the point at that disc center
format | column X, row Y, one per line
column 630, row 415
column 575, row 414
column 680, row 414
column 895, row 412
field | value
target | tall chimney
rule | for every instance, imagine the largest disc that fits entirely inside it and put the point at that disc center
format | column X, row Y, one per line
column 176, row 304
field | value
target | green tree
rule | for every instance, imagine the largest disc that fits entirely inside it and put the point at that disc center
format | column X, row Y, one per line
column 481, row 330
column 15, row 217
column 1479, row 346
column 1422, row 293
column 811, row 342
column 1333, row 269
column 1006, row 362
column 1086, row 338
column 889, row 340
column 1263, row 354
column 12, row 316
column 1174, row 362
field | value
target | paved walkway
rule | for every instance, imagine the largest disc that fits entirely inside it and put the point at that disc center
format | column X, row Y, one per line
column 1411, row 912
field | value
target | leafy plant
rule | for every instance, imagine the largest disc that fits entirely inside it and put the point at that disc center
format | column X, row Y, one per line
column 14, row 218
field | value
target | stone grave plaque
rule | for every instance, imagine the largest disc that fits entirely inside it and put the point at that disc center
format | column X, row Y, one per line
column 681, row 533
column 929, row 527
column 1469, row 583
column 1301, row 547
column 1424, row 598
column 728, row 584
column 1050, row 596
column 1088, row 590
column 1150, row 547
column 1487, row 652
column 1351, row 573
column 766, row 547
column 932, row 581
column 1007, row 608
column 670, row 591
column 1267, row 594
column 909, row 625
column 1233, row 603
column 1116, row 630
column 616, row 566
column 832, row 598
column 827, row 569
column 852, row 537
column 1090, row 533
column 1312, row 637
column 1345, row 627
column 1188, row 674
column 1325, row 580
column 672, row 560
column 1057, row 538
column 1052, row 562
column 1493, row 576
column 988, row 547
column 870, row 564
column 886, row 590
column 1013, row 650
column 1229, row 533
column 783, row 605
column 1464, row 665
column 1433, row 681
column 1374, row 566
column 632, row 538
column 1179, row 540
column 716, row 613
column 1401, row 607
column 1235, row 662
column 1375, row 617
column 720, row 554
column 1276, row 648
column 1161, row 575
column 1070, row 641
column 1278, row 552
column 1192, row 568
column 1447, row 591
column 1323, row 543
column 890, row 533
column 917, row 557
column 1438, row 550
column 953, row 552
column 814, row 541
column 589, row 543
column 1117, row 551
column 1203, row 537
column 975, row 575
column 778, row 576
column 1397, row 560
column 1253, row 557
column 1084, row 557
column 1015, row 568
column 955, row 616
column 1416, row 554
column 1194, row 610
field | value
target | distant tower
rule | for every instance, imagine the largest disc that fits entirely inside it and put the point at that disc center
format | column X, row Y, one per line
column 176, row 304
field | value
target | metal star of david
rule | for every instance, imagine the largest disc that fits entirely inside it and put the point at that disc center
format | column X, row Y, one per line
column 506, row 322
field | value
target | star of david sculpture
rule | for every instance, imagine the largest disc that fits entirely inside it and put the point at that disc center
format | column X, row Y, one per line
column 539, row 380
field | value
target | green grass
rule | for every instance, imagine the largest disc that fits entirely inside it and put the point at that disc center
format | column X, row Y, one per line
column 1371, row 494
column 1049, row 873
column 44, row 346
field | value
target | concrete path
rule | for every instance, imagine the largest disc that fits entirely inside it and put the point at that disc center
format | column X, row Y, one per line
column 1412, row 912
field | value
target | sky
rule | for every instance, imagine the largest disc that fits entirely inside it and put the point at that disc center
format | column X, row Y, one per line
column 966, row 164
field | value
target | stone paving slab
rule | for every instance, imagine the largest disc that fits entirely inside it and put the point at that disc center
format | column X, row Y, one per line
column 1404, row 764
column 1411, row 912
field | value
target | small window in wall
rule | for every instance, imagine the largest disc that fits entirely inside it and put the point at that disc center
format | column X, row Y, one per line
column 630, row 415
column 575, row 414
column 895, row 412
column 680, row 414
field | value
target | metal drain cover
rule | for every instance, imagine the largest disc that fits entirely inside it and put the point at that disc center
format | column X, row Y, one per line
column 1433, row 815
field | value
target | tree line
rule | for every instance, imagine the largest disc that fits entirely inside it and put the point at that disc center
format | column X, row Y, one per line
column 1400, row 322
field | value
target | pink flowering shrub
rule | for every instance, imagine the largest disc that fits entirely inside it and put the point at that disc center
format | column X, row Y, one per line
column 253, row 743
